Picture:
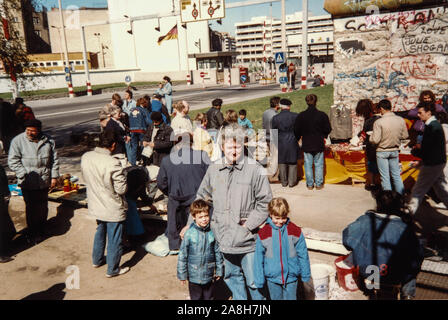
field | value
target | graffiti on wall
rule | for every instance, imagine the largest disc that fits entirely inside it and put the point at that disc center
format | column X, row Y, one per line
column 397, row 56
column 395, row 20
column 398, row 76
column 427, row 38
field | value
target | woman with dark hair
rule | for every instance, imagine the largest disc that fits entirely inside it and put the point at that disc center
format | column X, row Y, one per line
column 419, row 126
column 366, row 109
column 384, row 244
column 166, row 91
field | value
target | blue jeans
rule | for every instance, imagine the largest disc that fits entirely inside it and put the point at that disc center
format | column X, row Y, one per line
column 389, row 167
column 114, row 232
column 239, row 273
column 280, row 292
column 133, row 147
column 318, row 159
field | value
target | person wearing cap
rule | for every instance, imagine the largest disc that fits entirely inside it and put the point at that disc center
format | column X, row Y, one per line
column 158, row 106
column 106, row 189
column 33, row 157
column 158, row 137
column 288, row 148
column 313, row 126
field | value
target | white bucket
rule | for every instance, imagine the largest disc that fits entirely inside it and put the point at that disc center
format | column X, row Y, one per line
column 323, row 280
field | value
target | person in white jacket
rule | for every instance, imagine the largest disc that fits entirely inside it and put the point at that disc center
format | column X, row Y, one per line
column 106, row 188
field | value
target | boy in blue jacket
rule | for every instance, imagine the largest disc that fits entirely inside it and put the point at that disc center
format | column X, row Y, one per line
column 200, row 260
column 281, row 255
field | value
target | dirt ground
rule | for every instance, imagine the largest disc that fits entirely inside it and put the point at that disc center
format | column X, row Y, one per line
column 39, row 271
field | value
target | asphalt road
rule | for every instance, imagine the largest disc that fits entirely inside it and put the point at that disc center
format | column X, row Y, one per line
column 60, row 117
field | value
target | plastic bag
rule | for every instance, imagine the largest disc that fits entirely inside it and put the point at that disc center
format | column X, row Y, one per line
column 159, row 247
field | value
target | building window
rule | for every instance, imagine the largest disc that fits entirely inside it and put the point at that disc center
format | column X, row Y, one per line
column 48, row 64
column 37, row 32
column 55, row 64
column 15, row 19
column 328, row 39
column 312, row 40
column 36, row 20
column 78, row 62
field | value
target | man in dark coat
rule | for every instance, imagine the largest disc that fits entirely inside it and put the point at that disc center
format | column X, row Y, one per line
column 158, row 137
column 215, row 119
column 288, row 148
column 313, row 126
column 179, row 178
column 7, row 229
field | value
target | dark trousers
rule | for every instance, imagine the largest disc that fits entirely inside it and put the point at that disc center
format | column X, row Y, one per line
column 36, row 203
column 287, row 174
column 178, row 212
column 7, row 229
column 201, row 291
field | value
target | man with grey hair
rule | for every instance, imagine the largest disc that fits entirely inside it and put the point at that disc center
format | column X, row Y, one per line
column 238, row 189
column 288, row 148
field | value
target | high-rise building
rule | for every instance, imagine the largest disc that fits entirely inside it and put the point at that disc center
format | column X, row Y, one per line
column 228, row 42
column 260, row 38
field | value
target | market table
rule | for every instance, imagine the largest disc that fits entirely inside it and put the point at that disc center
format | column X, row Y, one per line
column 341, row 166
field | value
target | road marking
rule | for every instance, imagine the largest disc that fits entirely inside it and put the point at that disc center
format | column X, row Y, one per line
column 66, row 112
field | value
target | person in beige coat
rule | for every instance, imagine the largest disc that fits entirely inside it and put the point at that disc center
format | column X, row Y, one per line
column 106, row 188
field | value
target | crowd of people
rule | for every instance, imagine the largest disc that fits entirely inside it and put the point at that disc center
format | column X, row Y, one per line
column 222, row 218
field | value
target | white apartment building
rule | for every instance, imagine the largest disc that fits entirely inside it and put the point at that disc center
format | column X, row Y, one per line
column 260, row 38
column 228, row 42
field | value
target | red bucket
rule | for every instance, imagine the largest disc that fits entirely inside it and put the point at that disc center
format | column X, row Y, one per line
column 347, row 273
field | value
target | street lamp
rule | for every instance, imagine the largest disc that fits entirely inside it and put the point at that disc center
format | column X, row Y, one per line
column 101, row 46
column 131, row 32
column 60, row 41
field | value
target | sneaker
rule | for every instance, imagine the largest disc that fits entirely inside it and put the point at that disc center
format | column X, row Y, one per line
column 320, row 187
column 173, row 252
column 120, row 272
column 310, row 188
column 98, row 265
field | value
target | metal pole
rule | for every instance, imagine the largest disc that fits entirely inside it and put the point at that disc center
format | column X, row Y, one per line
column 178, row 46
column 304, row 42
column 67, row 63
column 283, row 26
column 186, row 47
column 86, row 63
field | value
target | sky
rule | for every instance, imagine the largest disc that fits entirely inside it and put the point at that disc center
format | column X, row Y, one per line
column 232, row 15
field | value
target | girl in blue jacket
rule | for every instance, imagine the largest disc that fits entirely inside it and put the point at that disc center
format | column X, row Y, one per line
column 281, row 255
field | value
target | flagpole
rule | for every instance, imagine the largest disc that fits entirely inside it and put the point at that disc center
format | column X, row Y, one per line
column 178, row 47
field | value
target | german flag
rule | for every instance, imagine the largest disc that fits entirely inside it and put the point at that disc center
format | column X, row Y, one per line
column 172, row 34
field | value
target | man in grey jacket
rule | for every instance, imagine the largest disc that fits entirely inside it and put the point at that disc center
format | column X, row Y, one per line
column 238, row 189
column 32, row 156
column 106, row 188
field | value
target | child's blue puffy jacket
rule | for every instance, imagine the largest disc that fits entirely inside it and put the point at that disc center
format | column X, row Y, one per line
column 199, row 256
column 281, row 255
